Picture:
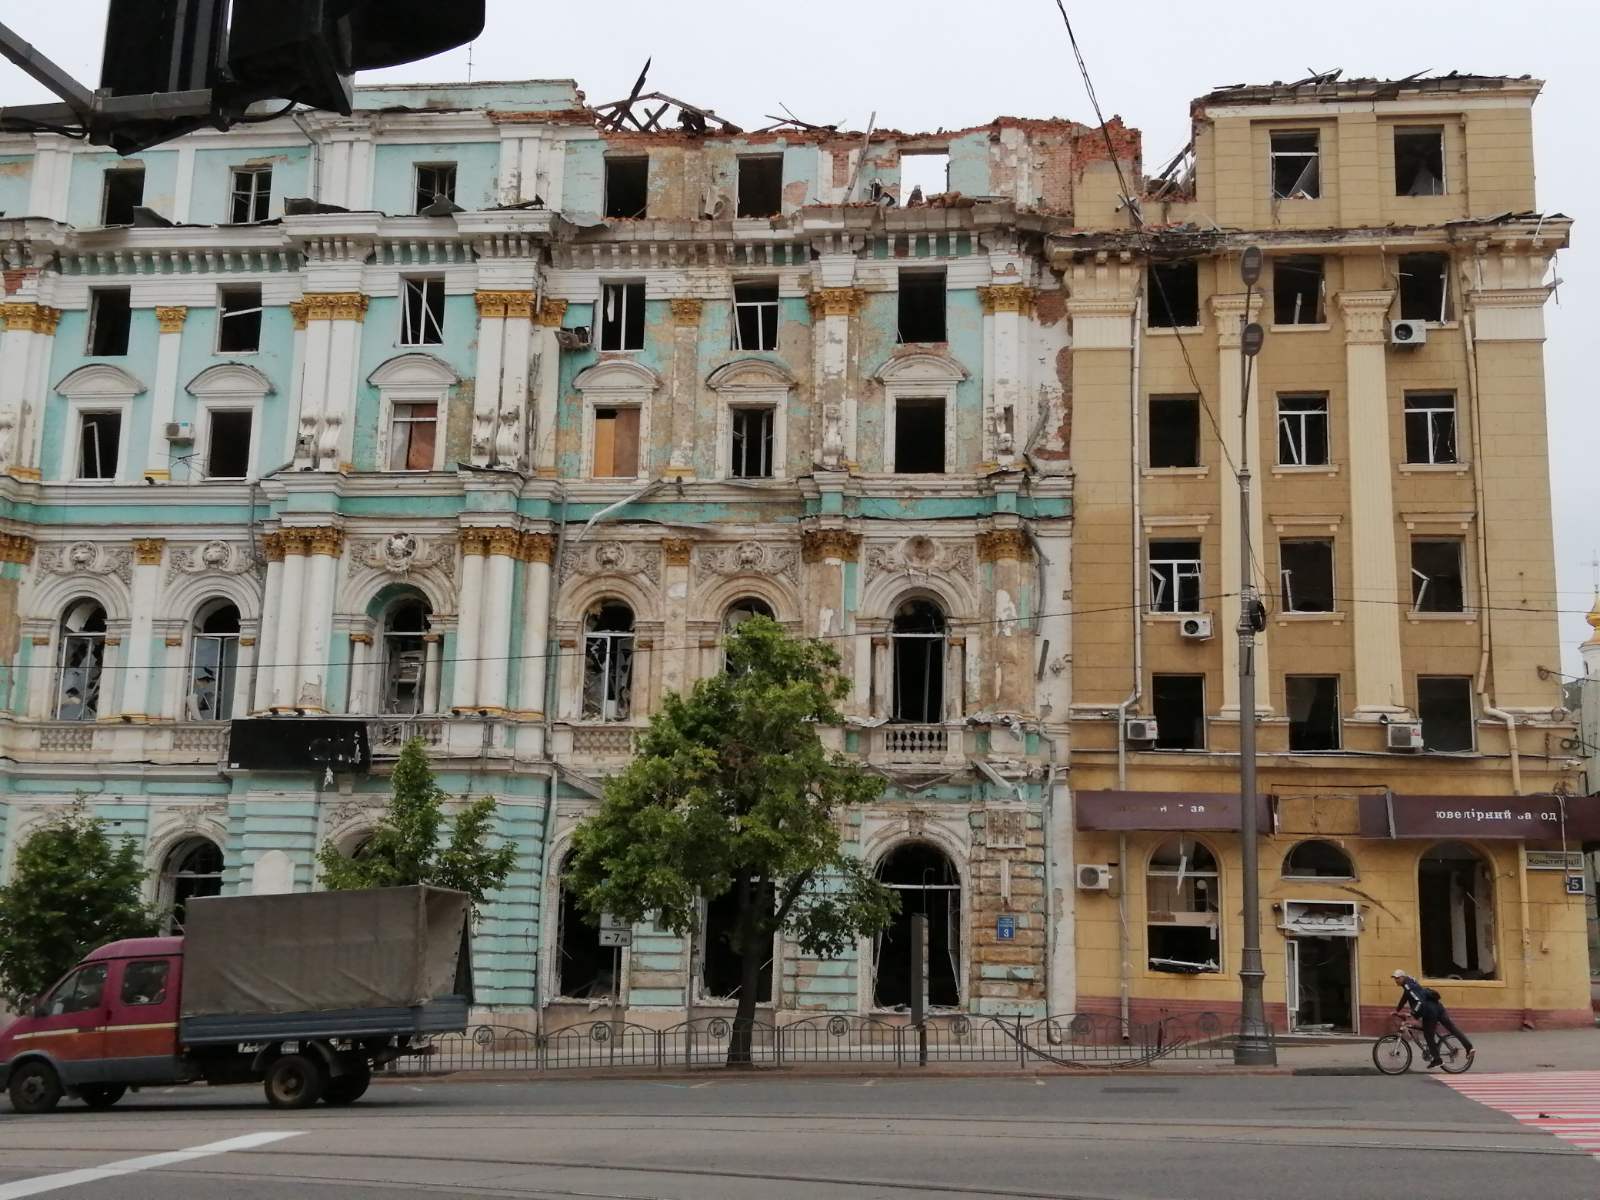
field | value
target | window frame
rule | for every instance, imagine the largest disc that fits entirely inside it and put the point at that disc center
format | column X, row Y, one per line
column 616, row 641
column 1338, row 715
column 892, row 434
column 1300, row 263
column 1465, row 683
column 227, row 672
column 388, row 639
column 1159, row 294
column 1303, row 419
column 1285, row 587
column 1274, row 154
column 1174, row 579
column 207, row 411
column 80, row 410
column 415, row 377
column 1192, row 402
column 92, row 325
column 738, row 186
column 223, row 315
column 762, row 308
column 1185, row 874
column 254, row 197
column 422, row 286
column 1397, row 132
column 99, row 674
column 106, row 177
column 394, row 420
column 1411, row 403
column 616, row 160
column 1446, row 314
column 1418, row 590
column 941, row 639
column 751, row 383
column 747, row 410
column 942, row 274
column 1203, row 725
column 417, row 168
column 622, row 288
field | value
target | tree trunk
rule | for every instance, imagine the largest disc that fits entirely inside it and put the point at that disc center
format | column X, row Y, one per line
column 747, row 936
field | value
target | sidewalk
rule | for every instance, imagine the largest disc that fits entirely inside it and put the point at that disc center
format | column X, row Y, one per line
column 1541, row 1050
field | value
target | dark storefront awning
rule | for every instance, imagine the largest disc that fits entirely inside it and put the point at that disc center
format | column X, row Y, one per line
column 1520, row 818
column 1198, row 811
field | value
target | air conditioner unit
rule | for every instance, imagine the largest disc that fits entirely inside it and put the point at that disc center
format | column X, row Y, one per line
column 1140, row 729
column 1405, row 735
column 576, row 338
column 1407, row 333
column 179, row 431
column 1094, row 877
column 1198, row 628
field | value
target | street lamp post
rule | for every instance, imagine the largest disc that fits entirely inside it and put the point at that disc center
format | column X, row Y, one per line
column 1254, row 1045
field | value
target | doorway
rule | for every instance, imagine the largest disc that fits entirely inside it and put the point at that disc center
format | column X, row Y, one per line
column 1321, row 984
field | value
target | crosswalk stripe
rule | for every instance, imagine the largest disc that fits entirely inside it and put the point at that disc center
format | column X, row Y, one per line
column 1564, row 1104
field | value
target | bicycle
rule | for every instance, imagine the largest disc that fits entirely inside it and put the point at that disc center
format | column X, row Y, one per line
column 1392, row 1053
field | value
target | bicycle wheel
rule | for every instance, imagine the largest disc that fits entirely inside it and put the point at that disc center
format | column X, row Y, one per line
column 1453, row 1060
column 1391, row 1054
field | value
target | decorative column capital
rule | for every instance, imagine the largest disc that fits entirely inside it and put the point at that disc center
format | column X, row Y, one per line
column 295, row 541
column 474, row 541
column 30, row 318
column 170, row 317
column 297, row 310
column 997, row 544
column 1366, row 315
column 336, row 306
column 361, row 639
column 686, row 310
column 1229, row 311
column 677, row 551
column 819, row 545
column 16, row 548
column 1006, row 297
column 538, row 548
column 504, row 540
column 551, row 312
column 504, row 304
column 272, row 546
column 147, row 551
column 834, row 302
column 327, row 540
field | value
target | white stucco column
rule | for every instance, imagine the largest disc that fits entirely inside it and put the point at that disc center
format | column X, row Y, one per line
column 266, row 643
column 336, row 445
column 356, row 699
column 432, row 664
column 551, row 313
column 313, row 379
column 684, row 389
column 499, row 580
column 164, row 395
column 486, row 387
column 510, row 449
column 327, row 544
column 469, row 618
column 1007, row 306
column 538, row 551
column 285, row 658
column 147, row 554
column 833, row 303
column 24, row 351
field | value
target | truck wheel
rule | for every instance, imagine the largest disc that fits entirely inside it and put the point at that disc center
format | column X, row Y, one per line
column 349, row 1087
column 101, row 1096
column 294, row 1081
column 35, row 1088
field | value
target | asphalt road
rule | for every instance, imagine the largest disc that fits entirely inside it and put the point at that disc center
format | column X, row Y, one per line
column 1130, row 1137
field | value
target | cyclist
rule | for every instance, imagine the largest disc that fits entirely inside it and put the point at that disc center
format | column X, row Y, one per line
column 1425, row 1005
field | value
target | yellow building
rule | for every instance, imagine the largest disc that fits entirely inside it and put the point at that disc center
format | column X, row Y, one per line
column 1411, row 771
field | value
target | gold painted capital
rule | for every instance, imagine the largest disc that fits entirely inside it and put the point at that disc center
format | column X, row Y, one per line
column 504, row 304
column 16, row 548
column 474, row 541
column 997, row 544
column 272, row 547
column 1006, row 297
column 686, row 310
column 327, row 540
column 361, row 639
column 170, row 317
column 551, row 312
column 297, row 310
column 336, row 306
column 504, row 541
column 147, row 551
column 538, row 548
column 677, row 551
column 30, row 318
column 834, row 302
column 819, row 545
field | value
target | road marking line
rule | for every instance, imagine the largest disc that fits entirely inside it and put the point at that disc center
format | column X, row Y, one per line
column 127, row 1166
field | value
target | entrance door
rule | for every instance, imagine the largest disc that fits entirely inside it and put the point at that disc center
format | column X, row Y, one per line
column 1321, row 984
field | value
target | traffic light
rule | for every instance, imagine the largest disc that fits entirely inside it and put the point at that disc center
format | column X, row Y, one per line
column 162, row 45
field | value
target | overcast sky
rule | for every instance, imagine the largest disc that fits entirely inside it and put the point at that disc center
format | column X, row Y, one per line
column 941, row 64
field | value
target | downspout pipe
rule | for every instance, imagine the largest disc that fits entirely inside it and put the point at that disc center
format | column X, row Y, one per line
column 1136, row 611
column 553, row 779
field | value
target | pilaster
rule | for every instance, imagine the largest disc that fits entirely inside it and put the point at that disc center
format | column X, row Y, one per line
column 833, row 313
column 1007, row 554
column 271, row 608
column 493, row 671
column 169, row 322
column 685, row 387
column 469, row 619
column 1007, row 307
column 676, row 553
column 24, row 357
column 147, row 555
column 831, row 556
column 486, row 393
column 549, row 318
column 326, row 545
column 537, row 552
column 285, row 657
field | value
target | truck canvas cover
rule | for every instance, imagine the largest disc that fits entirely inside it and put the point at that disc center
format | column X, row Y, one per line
column 324, row 951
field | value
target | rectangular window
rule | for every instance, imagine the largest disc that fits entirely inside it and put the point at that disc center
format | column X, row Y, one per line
column 1297, row 290
column 1303, row 430
column 1425, row 287
column 110, row 314
column 239, row 320
column 251, row 195
column 921, row 306
column 755, row 316
column 435, row 182
column 1179, row 705
column 228, row 444
column 1174, row 295
column 422, row 311
column 1431, row 427
column 761, row 185
column 622, row 316
column 1437, row 580
column 145, row 981
column 1419, row 161
column 1175, row 575
column 1174, row 431
column 616, row 443
column 123, row 191
column 413, row 435
column 1296, row 169
column 1313, row 702
column 1444, row 703
column 924, row 174
column 919, row 436
column 99, row 444
column 627, row 187
column 752, row 443
column 1306, row 570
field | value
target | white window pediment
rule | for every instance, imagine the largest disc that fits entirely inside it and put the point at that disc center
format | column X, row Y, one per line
column 616, row 378
column 229, row 380
column 99, row 381
column 413, row 396
column 750, row 375
column 921, row 370
column 752, row 383
column 413, row 371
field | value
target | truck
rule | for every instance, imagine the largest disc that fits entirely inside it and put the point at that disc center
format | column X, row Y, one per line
column 305, row 993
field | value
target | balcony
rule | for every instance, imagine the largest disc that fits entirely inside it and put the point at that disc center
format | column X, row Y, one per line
column 165, row 742
column 918, row 745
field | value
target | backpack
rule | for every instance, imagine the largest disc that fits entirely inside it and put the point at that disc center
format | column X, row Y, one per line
column 1429, row 994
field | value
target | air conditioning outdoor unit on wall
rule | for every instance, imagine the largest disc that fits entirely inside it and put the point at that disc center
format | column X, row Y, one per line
column 179, row 431
column 1197, row 628
column 1407, row 333
column 1405, row 735
column 1140, row 729
column 1094, row 877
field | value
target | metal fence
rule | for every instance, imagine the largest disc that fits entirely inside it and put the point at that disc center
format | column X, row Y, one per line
column 1076, row 1040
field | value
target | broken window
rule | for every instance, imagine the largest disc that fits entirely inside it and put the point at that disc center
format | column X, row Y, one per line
column 1425, row 287
column 616, row 443
column 755, row 316
column 1419, row 161
column 1175, row 575
column 1174, row 431
column 214, row 662
column 1430, row 427
column 1317, row 859
column 1455, row 913
column 1305, row 567
column 622, row 316
column 740, row 612
column 585, row 970
column 405, row 658
column 228, row 443
column 250, row 195
column 80, row 660
column 435, row 182
column 239, row 323
column 1303, row 430
column 921, row 306
column 413, row 436
column 752, row 442
column 99, row 444
column 192, row 870
column 110, row 314
column 1174, row 294
column 1183, row 891
column 1437, row 582
column 608, row 662
column 1444, row 705
column 923, row 174
column 122, row 193
column 422, row 310
column 919, row 637
column 1296, row 173
column 1178, row 703
column 926, row 881
column 1297, row 290
column 721, row 964
column 627, row 187
column 1313, row 703
column 761, row 185
column 919, row 435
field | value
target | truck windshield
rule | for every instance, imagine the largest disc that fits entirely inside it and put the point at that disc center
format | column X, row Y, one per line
column 78, row 992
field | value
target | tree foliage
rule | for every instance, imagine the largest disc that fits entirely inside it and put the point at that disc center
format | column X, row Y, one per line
column 733, row 790
column 73, row 888
column 409, row 845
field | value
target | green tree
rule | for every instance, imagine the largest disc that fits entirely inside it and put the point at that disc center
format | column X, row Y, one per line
column 732, row 790
column 73, row 888
column 407, row 846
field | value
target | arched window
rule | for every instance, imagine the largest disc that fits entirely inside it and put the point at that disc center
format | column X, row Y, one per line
column 741, row 611
column 1455, row 913
column 918, row 637
column 608, row 662
column 405, row 658
column 214, row 662
column 1182, row 908
column 80, row 660
column 585, row 970
column 927, row 883
column 1317, row 859
column 193, row 868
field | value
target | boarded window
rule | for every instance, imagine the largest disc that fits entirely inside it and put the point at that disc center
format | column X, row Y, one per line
column 1175, row 575
column 1297, row 290
column 1431, row 427
column 228, row 443
column 123, row 191
column 1425, row 287
column 251, row 195
column 239, row 322
column 627, row 187
column 919, row 435
column 422, row 311
column 1183, row 894
column 1296, row 166
column 922, row 306
column 1174, row 295
column 1313, row 703
column 1179, row 705
column 1305, row 569
column 435, row 182
column 752, row 443
column 1444, row 704
column 1303, row 430
column 755, row 316
column 761, row 185
column 99, row 444
column 622, row 316
column 1419, row 161
column 1437, row 583
column 1174, row 431
column 616, row 443
column 110, row 314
